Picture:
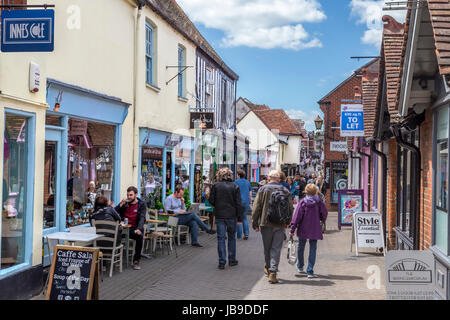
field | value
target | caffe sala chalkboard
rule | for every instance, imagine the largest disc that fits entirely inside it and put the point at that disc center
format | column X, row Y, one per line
column 74, row 274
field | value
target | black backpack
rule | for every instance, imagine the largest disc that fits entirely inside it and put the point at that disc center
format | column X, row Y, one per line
column 279, row 211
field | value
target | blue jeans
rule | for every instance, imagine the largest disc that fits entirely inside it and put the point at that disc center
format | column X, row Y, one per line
column 312, row 254
column 226, row 228
column 193, row 222
column 244, row 224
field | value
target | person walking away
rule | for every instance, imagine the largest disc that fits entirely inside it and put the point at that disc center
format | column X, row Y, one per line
column 134, row 209
column 272, row 213
column 226, row 200
column 175, row 203
column 246, row 198
column 308, row 215
column 283, row 180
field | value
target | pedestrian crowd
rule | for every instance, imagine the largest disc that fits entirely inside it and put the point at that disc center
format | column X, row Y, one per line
column 272, row 213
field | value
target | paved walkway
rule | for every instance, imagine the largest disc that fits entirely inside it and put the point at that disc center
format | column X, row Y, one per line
column 194, row 274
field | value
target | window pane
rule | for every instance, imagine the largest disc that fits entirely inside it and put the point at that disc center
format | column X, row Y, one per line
column 442, row 195
column 50, row 166
column 152, row 175
column 90, row 168
column 14, row 191
column 442, row 123
column 182, row 167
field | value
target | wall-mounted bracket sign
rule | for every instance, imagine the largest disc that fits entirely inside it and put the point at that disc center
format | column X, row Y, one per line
column 205, row 120
column 352, row 120
column 28, row 30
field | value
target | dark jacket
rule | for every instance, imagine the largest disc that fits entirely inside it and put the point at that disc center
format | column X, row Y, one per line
column 310, row 211
column 261, row 205
column 142, row 210
column 226, row 199
column 106, row 213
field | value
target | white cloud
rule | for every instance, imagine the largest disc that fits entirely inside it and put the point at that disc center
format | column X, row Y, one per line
column 263, row 24
column 308, row 117
column 370, row 12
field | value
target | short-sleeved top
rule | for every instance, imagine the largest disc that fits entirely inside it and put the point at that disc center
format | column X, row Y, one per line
column 245, row 188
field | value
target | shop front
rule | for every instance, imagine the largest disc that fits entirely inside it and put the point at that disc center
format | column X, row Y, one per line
column 82, row 157
column 165, row 160
column 339, row 172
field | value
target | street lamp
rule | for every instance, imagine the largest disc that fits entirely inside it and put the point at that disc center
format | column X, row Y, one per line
column 318, row 122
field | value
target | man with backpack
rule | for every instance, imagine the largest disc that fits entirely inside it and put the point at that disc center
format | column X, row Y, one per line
column 272, row 214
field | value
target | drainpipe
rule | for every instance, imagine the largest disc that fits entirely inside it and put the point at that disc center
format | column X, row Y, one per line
column 135, row 81
column 383, row 193
column 368, row 184
column 415, row 205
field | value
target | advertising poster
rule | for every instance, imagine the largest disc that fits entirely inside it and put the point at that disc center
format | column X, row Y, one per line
column 350, row 202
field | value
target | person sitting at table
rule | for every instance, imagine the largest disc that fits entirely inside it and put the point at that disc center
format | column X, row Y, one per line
column 104, row 211
column 134, row 209
column 175, row 203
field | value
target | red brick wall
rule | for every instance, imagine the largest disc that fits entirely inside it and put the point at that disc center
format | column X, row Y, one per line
column 345, row 92
column 391, row 196
column 426, row 185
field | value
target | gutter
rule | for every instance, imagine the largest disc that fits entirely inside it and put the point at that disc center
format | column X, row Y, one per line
column 369, row 158
column 135, row 80
column 359, row 158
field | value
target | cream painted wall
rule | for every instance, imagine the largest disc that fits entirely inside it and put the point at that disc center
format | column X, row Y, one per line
column 259, row 135
column 291, row 153
column 161, row 109
column 97, row 54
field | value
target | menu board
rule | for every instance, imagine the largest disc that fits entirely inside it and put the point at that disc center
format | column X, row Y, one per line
column 350, row 202
column 73, row 274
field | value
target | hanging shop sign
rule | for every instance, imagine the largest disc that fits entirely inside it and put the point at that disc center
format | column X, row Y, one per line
column 352, row 120
column 152, row 153
column 349, row 203
column 367, row 231
column 27, row 30
column 204, row 120
column 339, row 146
column 74, row 274
column 409, row 275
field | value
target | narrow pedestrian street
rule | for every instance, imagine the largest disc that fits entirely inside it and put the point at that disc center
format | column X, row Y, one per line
column 194, row 274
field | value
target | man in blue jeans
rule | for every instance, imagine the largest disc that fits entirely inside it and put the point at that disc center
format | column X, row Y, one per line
column 175, row 203
column 246, row 198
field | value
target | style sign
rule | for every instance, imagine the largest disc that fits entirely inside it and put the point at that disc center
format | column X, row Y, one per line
column 27, row 30
column 352, row 120
column 339, row 146
column 409, row 275
column 368, row 230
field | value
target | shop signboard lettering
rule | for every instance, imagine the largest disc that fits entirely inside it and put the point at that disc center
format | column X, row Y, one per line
column 152, row 153
column 78, row 127
column 349, row 203
column 171, row 141
column 205, row 120
column 27, row 30
column 327, row 174
column 338, row 146
column 367, row 230
column 352, row 120
column 74, row 274
column 410, row 275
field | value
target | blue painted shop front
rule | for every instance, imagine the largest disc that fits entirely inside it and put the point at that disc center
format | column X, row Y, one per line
column 165, row 159
column 82, row 154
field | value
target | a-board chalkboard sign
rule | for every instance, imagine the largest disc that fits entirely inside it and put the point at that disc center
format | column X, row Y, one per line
column 73, row 274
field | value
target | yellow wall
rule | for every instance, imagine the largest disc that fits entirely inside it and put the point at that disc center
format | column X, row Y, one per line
column 99, row 56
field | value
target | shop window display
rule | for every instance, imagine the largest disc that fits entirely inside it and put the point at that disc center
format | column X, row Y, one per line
column 90, row 168
column 15, row 160
column 151, row 175
column 182, row 167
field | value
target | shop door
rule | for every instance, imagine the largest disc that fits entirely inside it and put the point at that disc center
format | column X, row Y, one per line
column 52, row 204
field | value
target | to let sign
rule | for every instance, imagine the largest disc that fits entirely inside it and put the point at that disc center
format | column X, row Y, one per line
column 27, row 30
column 352, row 120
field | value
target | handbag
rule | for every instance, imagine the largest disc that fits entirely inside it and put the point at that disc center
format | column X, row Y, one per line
column 292, row 251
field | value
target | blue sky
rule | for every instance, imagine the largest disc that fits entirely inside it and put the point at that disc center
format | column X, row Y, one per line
column 294, row 68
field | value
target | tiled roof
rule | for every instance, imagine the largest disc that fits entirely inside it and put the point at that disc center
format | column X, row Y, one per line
column 392, row 49
column 300, row 125
column 440, row 21
column 172, row 13
column 277, row 119
column 369, row 97
column 254, row 106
